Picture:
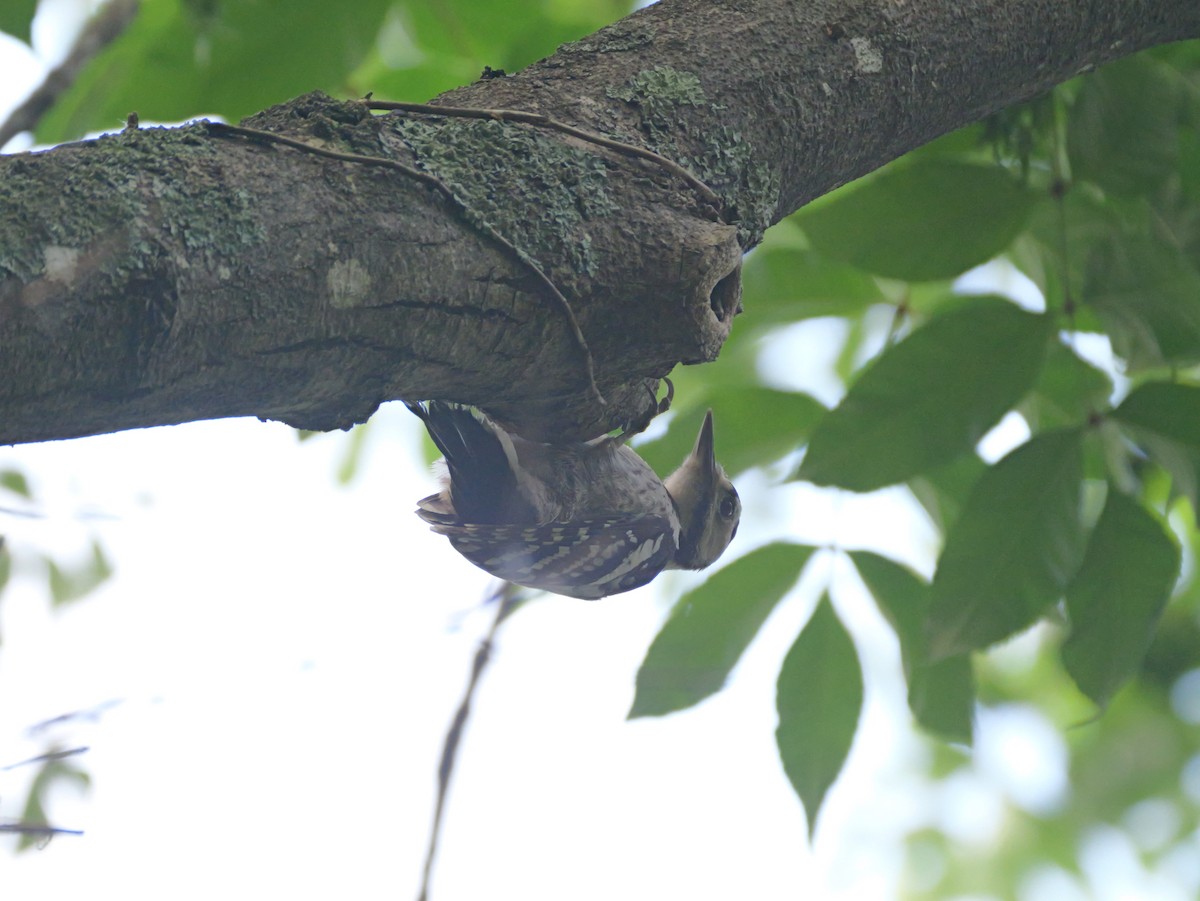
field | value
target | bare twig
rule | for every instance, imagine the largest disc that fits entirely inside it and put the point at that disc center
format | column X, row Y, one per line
column 90, row 714
column 105, row 27
column 564, row 306
column 508, row 595
column 36, row 829
column 46, row 758
column 25, row 514
column 543, row 121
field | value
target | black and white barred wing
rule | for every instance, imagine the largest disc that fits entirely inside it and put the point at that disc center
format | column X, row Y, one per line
column 586, row 559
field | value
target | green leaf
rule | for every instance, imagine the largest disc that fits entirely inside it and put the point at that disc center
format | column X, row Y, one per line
column 1053, row 251
column 14, row 480
column 786, row 284
column 1068, row 392
column 1189, row 181
column 5, row 564
column 179, row 60
column 1164, row 418
column 930, row 398
column 710, row 627
column 71, row 584
column 943, row 491
column 16, row 16
column 1148, row 296
column 493, row 34
column 352, row 452
column 53, row 772
column 751, row 427
column 1167, row 409
column 1014, row 549
column 849, row 361
column 818, row 696
column 425, row 49
column 1174, row 649
column 941, row 695
column 1123, row 129
column 927, row 219
column 1116, row 599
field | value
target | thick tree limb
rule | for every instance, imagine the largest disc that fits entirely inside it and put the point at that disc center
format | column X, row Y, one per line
column 161, row 276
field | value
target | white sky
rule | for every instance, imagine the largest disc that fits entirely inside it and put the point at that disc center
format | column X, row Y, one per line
column 287, row 654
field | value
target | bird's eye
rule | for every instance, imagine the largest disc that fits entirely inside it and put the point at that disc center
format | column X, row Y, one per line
column 728, row 506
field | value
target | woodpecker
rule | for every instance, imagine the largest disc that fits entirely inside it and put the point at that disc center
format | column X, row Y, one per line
column 586, row 520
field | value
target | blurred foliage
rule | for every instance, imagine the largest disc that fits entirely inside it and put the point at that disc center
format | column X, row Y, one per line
column 13, row 480
column 66, row 581
column 70, row 582
column 980, row 210
column 229, row 57
column 232, row 58
column 1092, row 192
column 5, row 568
column 16, row 18
column 52, row 773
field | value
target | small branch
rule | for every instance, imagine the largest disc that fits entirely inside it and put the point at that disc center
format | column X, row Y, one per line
column 270, row 137
column 104, row 28
column 543, row 121
column 91, row 715
column 24, row 514
column 46, row 758
column 34, row 829
column 508, row 595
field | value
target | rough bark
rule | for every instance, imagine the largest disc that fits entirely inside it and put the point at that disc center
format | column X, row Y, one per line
column 166, row 275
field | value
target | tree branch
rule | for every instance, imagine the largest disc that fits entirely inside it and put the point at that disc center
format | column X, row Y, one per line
column 161, row 276
column 37, row 830
column 506, row 597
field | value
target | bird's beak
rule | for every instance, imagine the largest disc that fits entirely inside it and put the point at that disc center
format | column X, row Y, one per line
column 703, row 451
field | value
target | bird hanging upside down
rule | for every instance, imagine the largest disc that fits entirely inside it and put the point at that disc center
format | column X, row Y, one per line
column 586, row 520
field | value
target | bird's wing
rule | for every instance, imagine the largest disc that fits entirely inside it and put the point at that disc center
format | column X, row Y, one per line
column 586, row 559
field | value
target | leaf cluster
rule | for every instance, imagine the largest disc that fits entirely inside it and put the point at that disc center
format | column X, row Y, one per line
column 67, row 581
column 1085, row 205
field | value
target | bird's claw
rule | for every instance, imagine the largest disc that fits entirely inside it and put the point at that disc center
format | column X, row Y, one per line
column 657, row 408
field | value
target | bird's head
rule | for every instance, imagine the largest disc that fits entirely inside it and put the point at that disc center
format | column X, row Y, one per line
column 708, row 504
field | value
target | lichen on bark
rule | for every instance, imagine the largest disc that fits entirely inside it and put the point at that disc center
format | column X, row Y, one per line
column 727, row 163
column 535, row 191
